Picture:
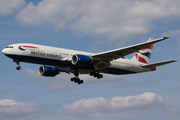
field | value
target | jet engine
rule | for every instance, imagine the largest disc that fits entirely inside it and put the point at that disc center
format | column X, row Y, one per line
column 81, row 60
column 48, row 71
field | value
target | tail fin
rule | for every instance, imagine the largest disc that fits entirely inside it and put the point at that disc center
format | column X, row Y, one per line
column 143, row 55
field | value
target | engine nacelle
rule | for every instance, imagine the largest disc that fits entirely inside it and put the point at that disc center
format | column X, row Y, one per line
column 48, row 71
column 81, row 60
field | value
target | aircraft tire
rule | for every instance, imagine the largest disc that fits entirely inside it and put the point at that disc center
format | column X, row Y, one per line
column 72, row 79
column 76, row 80
column 80, row 82
column 18, row 68
column 91, row 74
column 101, row 76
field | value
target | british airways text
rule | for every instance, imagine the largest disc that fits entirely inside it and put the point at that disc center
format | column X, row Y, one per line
column 45, row 54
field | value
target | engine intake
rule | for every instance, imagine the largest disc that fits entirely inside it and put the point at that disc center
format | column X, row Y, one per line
column 81, row 60
column 48, row 71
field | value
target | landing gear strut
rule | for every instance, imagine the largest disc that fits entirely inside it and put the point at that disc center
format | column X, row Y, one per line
column 96, row 74
column 17, row 62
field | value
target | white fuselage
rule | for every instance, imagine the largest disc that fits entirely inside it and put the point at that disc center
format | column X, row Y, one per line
column 59, row 57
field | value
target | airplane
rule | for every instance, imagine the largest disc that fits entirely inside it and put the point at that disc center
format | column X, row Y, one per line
column 55, row 60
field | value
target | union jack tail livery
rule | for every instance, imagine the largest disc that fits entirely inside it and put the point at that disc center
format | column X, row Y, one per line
column 144, row 54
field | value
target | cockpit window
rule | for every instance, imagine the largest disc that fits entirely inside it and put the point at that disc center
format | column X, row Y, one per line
column 9, row 47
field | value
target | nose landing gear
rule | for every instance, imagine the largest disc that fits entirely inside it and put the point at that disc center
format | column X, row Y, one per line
column 17, row 62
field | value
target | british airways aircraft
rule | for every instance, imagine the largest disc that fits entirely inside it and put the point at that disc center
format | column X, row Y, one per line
column 56, row 60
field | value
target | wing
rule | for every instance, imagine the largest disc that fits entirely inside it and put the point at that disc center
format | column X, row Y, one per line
column 120, row 53
column 102, row 60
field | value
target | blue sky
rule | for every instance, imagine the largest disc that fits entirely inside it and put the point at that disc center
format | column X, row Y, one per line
column 92, row 26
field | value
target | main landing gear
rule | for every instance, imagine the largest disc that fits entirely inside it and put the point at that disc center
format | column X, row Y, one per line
column 17, row 62
column 76, row 79
column 96, row 74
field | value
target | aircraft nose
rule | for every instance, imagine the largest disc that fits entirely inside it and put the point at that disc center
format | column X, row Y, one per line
column 4, row 51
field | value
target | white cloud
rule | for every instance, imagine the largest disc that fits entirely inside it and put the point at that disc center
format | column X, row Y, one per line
column 12, row 110
column 51, row 11
column 144, row 102
column 10, row 6
column 175, row 111
column 110, row 18
column 32, row 74
column 172, row 33
column 61, row 81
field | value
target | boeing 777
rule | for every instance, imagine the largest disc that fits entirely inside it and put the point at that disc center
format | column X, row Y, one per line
column 55, row 60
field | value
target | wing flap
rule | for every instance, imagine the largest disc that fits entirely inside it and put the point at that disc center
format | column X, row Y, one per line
column 158, row 64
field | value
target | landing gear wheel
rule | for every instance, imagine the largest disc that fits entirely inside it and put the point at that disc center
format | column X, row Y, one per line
column 77, row 80
column 80, row 82
column 91, row 74
column 100, row 76
column 72, row 79
column 18, row 68
column 96, row 74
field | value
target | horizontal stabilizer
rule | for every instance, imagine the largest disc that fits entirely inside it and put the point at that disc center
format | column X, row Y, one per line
column 158, row 64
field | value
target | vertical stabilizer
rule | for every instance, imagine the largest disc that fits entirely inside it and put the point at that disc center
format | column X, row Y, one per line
column 143, row 55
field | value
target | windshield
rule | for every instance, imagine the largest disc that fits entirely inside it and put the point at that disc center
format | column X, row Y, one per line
column 9, row 47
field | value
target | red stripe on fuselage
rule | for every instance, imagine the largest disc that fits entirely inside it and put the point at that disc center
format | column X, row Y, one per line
column 28, row 46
